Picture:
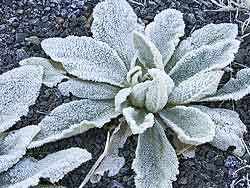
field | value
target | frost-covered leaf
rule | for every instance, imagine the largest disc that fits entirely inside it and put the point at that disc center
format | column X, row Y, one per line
column 196, row 87
column 157, row 95
column 138, row 94
column 88, row 89
column 74, row 118
column 229, row 129
column 134, row 75
column 110, row 161
column 191, row 125
column 114, row 23
column 234, row 89
column 207, row 35
column 19, row 89
column 155, row 164
column 138, row 120
column 121, row 99
column 152, row 94
column 165, row 31
column 148, row 54
column 206, row 58
column 87, row 59
column 52, row 75
column 13, row 145
column 28, row 171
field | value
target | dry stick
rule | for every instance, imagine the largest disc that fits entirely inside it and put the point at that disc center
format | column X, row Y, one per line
column 140, row 4
column 97, row 163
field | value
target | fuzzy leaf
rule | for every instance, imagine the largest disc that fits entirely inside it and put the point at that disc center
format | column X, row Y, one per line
column 13, row 145
column 206, row 58
column 74, row 118
column 87, row 59
column 155, row 164
column 121, row 99
column 88, row 89
column 165, row 31
column 207, row 35
column 28, row 171
column 116, row 30
column 234, row 89
column 148, row 54
column 161, row 86
column 52, row 75
column 191, row 125
column 196, row 87
column 19, row 89
column 138, row 120
column 138, row 94
column 229, row 129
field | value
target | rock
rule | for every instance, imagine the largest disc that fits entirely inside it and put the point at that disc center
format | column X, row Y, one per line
column 33, row 40
column 21, row 54
column 191, row 18
column 20, row 37
column 2, row 28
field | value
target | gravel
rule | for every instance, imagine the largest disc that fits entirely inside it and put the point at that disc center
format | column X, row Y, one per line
column 24, row 23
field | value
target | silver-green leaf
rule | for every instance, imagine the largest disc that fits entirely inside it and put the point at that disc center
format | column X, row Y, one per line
column 156, row 163
column 28, row 171
column 138, row 120
column 114, row 23
column 196, row 87
column 210, row 57
column 19, row 89
column 165, row 31
column 52, row 74
column 229, row 129
column 191, row 125
column 88, row 89
column 148, row 54
column 234, row 89
column 74, row 118
column 86, row 58
column 13, row 145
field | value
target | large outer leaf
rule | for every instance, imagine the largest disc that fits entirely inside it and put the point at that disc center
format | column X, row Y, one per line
column 74, row 118
column 197, row 87
column 138, row 120
column 52, row 75
column 165, row 31
column 27, row 172
column 114, row 23
column 87, row 59
column 13, row 145
column 148, row 54
column 191, row 125
column 19, row 89
column 229, row 129
column 207, row 35
column 206, row 58
column 88, row 89
column 156, row 164
column 234, row 89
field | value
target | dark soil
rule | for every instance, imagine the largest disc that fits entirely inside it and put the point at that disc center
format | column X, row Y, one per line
column 22, row 19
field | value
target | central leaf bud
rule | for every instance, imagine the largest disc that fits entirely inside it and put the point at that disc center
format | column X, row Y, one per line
column 152, row 89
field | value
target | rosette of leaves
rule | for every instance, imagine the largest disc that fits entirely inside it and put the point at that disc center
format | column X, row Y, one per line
column 145, row 74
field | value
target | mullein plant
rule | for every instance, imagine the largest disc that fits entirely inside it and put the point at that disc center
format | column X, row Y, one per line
column 154, row 82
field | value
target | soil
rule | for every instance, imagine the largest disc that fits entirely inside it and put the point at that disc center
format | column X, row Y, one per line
column 24, row 23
